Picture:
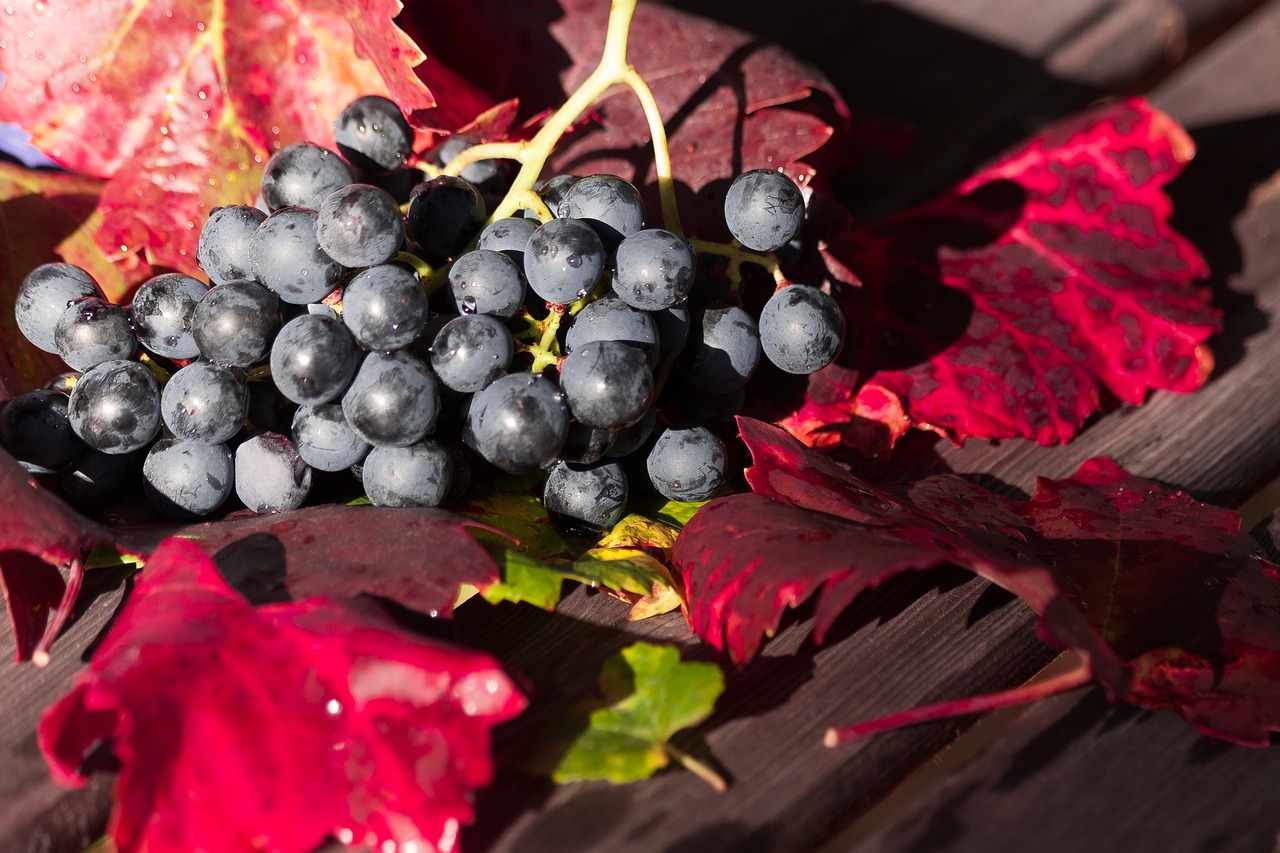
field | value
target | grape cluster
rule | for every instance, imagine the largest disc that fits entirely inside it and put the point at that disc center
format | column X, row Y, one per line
column 318, row 345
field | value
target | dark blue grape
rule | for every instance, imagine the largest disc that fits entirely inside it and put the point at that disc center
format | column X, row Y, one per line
column 485, row 175
column 610, row 319
column 287, row 258
column 611, row 205
column 183, row 479
column 563, row 260
column 34, row 428
column 687, row 464
column 270, row 475
column 385, row 307
column 631, row 439
column 394, row 400
column 723, row 351
column 204, row 403
column 654, row 270
column 92, row 331
column 115, row 406
column 586, row 499
column 764, row 210
column 444, row 214
column 302, row 175
column 359, row 225
column 508, row 236
column 607, row 384
column 42, row 297
column 162, row 312
column 225, row 243
column 373, row 133
column 417, row 475
column 234, row 323
column 517, row 423
column 325, row 440
column 552, row 191
column 801, row 329
column 586, row 444
column 485, row 281
column 673, row 332
column 472, row 351
column 313, row 359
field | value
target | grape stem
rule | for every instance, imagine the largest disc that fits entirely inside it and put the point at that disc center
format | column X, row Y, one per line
column 737, row 256
column 612, row 70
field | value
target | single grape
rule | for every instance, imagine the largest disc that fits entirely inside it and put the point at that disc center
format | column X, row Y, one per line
column 723, row 352
column 91, row 331
column 115, row 406
column 287, row 258
column 472, row 351
column 801, row 329
column 552, row 191
column 508, row 236
column 764, row 210
column 687, row 463
column 610, row 319
column 393, row 400
column 36, row 431
column 302, row 175
column 611, row 205
column 313, row 359
column 42, row 297
column 517, row 423
column 485, row 281
column 373, row 133
column 444, row 214
column 654, row 269
column 385, row 307
column 359, row 225
column 204, row 403
column 417, row 475
column 607, row 384
column 184, row 479
column 225, row 241
column 162, row 312
column 325, row 440
column 234, row 323
column 586, row 499
column 563, row 260
column 270, row 475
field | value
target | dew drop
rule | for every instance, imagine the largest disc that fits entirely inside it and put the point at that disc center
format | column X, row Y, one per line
column 333, row 707
column 468, row 305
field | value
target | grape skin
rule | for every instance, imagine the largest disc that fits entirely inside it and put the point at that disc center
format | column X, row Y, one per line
column 508, row 236
column 373, row 133
column 359, row 226
column 270, row 475
column 607, row 384
column 302, row 175
column 204, row 403
column 325, row 440
column 801, row 329
column 610, row 319
column 417, row 475
column 563, row 260
column 723, row 352
column 225, row 243
column 518, row 423
column 44, row 294
column 162, row 312
column 654, row 269
column 91, row 331
column 287, row 258
column 115, row 406
column 687, row 463
column 609, row 204
column 313, row 359
column 486, row 281
column 34, row 428
column 764, row 210
column 444, row 214
column 384, row 307
column 234, row 323
column 586, row 498
column 184, row 479
column 393, row 400
column 472, row 351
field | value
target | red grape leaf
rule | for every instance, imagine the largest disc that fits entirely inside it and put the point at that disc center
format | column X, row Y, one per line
column 415, row 557
column 39, row 538
column 341, row 722
column 1171, row 605
column 1014, row 304
column 179, row 104
column 47, row 216
column 730, row 102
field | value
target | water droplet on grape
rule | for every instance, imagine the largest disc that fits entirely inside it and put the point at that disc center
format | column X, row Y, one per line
column 467, row 305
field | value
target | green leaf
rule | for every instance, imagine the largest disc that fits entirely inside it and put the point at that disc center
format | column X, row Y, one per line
column 526, row 579
column 647, row 695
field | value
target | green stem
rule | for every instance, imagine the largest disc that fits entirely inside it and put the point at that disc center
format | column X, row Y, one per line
column 697, row 768
column 737, row 256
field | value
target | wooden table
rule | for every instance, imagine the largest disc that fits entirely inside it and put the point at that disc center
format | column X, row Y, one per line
column 1071, row 773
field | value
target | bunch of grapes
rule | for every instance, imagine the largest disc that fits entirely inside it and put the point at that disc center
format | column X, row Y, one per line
column 353, row 325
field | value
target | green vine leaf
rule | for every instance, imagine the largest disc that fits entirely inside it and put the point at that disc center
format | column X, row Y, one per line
column 647, row 695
